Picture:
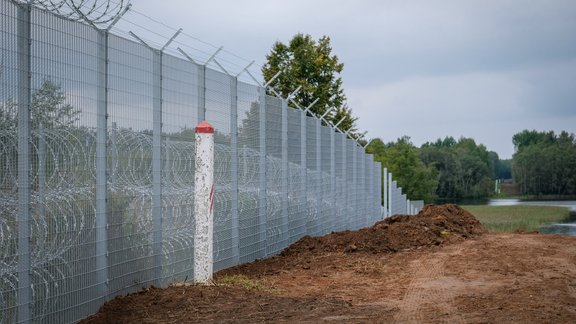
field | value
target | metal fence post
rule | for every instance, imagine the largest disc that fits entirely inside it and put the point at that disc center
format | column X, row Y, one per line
column 262, row 215
column 201, row 92
column 333, row 199
column 24, row 294
column 319, row 194
column 114, row 157
column 303, row 167
column 204, row 203
column 346, row 193
column 157, row 164
column 369, row 184
column 353, row 221
column 41, row 177
column 385, row 192
column 284, row 226
column 379, row 190
column 234, row 170
column 101, row 157
column 390, row 195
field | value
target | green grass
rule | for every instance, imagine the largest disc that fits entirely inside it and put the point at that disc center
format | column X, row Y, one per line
column 513, row 218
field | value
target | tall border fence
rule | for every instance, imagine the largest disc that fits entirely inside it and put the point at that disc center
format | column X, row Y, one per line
column 97, row 168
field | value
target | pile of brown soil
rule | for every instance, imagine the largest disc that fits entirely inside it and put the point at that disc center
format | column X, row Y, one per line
column 433, row 225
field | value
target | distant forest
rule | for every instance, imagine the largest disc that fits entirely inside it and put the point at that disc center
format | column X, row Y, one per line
column 448, row 169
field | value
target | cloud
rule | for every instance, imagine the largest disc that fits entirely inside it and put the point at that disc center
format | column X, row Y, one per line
column 489, row 107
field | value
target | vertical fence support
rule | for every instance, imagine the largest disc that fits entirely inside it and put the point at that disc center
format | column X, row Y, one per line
column 24, row 298
column 201, row 92
column 114, row 157
column 346, row 191
column 284, row 180
column 262, row 215
column 390, row 195
column 101, row 157
column 157, row 165
column 203, row 203
column 326, row 226
column 379, row 190
column 353, row 221
column 370, row 177
column 385, row 192
column 234, row 170
column 303, row 168
column 333, row 199
column 42, row 179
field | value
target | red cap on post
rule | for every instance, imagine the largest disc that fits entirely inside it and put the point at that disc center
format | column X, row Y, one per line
column 204, row 128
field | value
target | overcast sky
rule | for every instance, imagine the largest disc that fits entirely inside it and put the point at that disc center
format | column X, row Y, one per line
column 485, row 69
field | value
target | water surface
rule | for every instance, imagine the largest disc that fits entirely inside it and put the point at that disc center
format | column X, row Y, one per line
column 568, row 228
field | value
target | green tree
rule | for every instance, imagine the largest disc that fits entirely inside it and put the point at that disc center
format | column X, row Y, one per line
column 402, row 159
column 465, row 169
column 545, row 163
column 48, row 108
column 311, row 65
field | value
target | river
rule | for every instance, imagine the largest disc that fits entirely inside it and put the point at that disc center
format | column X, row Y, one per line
column 568, row 228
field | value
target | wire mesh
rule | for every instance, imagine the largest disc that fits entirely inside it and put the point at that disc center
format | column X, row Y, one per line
column 111, row 168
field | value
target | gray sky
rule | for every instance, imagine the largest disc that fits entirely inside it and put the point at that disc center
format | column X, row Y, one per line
column 485, row 69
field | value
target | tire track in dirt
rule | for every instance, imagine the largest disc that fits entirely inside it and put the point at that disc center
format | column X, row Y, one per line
column 429, row 292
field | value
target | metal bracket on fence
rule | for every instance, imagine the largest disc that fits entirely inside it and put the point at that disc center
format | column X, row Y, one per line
column 368, row 143
column 252, row 76
column 119, row 17
column 140, row 40
column 152, row 48
column 214, row 55
column 245, row 69
column 347, row 133
column 171, row 39
column 210, row 59
column 272, row 79
column 293, row 94
column 338, row 123
column 326, row 114
column 213, row 58
column 310, row 106
column 186, row 55
column 271, row 88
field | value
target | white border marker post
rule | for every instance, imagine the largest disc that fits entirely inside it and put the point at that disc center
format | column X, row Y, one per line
column 203, row 203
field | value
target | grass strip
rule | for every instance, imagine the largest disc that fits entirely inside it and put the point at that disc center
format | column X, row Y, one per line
column 517, row 218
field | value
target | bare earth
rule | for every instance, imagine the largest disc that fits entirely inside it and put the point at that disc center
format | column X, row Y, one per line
column 461, row 277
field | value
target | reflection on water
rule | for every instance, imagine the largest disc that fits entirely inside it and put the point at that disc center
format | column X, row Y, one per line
column 568, row 228
column 511, row 202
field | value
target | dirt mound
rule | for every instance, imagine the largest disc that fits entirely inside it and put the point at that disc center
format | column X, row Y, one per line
column 434, row 225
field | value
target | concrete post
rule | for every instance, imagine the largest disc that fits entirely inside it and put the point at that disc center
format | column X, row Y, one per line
column 203, row 203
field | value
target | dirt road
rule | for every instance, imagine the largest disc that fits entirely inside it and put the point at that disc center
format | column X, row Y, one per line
column 490, row 278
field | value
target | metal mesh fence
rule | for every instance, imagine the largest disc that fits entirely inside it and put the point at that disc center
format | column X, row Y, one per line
column 97, row 168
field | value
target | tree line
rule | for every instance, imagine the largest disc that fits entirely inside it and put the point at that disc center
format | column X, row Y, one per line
column 444, row 169
column 544, row 163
